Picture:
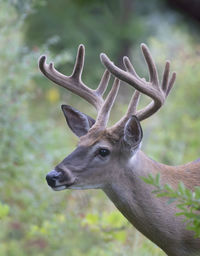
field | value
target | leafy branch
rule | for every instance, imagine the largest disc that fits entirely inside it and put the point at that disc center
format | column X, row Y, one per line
column 186, row 200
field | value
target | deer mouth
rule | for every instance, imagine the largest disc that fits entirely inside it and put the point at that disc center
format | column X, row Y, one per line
column 62, row 187
column 59, row 188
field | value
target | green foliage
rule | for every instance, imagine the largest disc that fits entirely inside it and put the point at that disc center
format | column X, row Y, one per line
column 187, row 201
column 30, row 220
column 99, row 25
column 4, row 210
column 34, row 220
column 112, row 225
column 174, row 133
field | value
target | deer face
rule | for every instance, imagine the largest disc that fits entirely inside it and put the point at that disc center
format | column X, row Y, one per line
column 100, row 154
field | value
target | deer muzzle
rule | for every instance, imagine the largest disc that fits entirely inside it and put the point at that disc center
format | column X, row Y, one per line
column 59, row 180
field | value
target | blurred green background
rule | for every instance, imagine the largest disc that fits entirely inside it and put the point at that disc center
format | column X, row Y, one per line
column 34, row 220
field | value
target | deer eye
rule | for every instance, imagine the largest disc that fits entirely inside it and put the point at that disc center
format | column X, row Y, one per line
column 104, row 152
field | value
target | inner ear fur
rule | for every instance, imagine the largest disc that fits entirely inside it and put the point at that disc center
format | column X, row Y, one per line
column 77, row 121
column 133, row 133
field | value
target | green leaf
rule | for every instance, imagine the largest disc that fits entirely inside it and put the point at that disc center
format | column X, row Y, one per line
column 113, row 219
column 168, row 187
column 91, row 219
column 181, row 188
column 162, row 194
column 147, row 180
column 4, row 210
column 120, row 236
column 157, row 180
column 171, row 200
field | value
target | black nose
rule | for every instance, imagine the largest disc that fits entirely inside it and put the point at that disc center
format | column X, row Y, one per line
column 52, row 177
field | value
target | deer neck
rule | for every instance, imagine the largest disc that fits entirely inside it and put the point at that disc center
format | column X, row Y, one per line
column 129, row 192
column 133, row 197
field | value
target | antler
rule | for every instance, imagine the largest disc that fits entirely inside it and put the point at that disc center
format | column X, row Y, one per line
column 152, row 88
column 74, row 84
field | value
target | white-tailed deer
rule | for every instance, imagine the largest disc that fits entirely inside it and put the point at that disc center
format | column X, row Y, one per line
column 110, row 158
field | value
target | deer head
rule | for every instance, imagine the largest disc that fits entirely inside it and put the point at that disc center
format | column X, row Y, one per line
column 102, row 151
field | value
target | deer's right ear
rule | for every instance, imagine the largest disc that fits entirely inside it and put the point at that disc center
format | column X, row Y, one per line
column 77, row 121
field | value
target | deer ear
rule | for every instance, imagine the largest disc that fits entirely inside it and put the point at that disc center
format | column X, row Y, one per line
column 78, row 122
column 133, row 132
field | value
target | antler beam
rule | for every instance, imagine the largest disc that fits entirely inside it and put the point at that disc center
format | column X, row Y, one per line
column 152, row 88
column 74, row 82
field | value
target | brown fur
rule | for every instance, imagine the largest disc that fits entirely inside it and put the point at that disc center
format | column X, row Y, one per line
column 119, row 172
column 188, row 173
column 95, row 135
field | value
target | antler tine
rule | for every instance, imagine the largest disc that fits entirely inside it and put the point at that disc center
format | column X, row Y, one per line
column 166, row 83
column 129, row 67
column 163, row 91
column 132, row 108
column 153, row 74
column 104, row 112
column 74, row 82
column 171, row 83
column 79, row 64
column 103, row 83
column 124, row 75
column 152, row 88
column 165, row 76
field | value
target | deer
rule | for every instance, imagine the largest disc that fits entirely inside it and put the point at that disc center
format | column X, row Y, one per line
column 110, row 158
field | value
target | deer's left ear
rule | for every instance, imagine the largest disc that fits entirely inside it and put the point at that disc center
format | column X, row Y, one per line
column 77, row 121
column 133, row 132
